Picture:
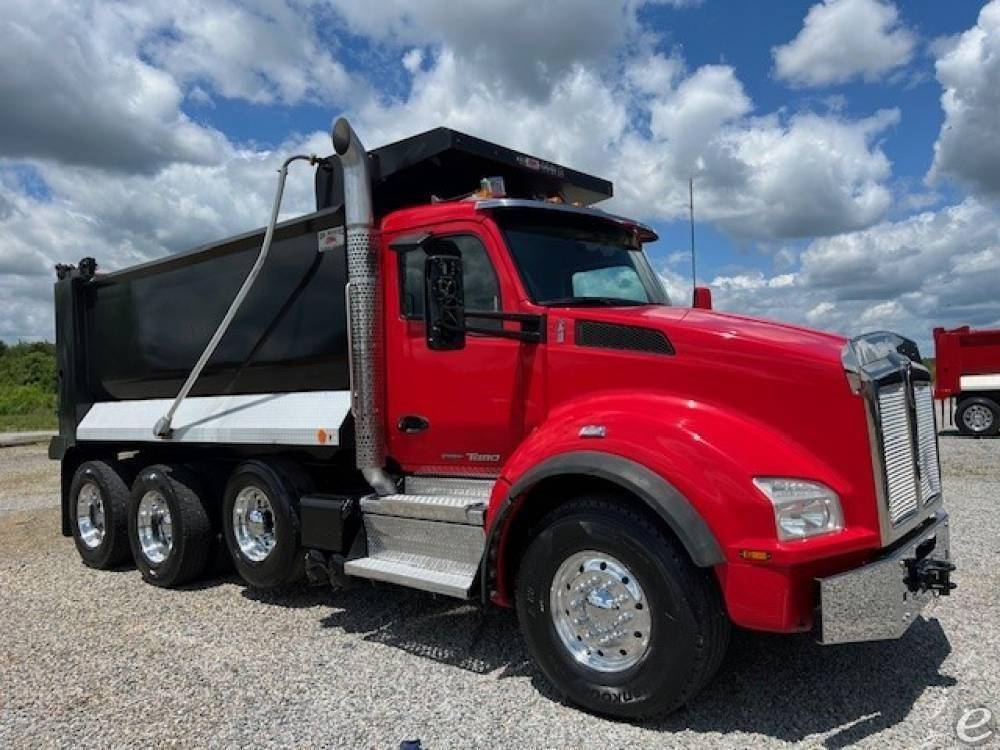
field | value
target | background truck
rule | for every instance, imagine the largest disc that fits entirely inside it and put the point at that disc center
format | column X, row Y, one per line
column 968, row 378
column 459, row 376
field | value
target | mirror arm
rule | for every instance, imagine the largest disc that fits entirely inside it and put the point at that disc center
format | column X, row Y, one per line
column 532, row 326
column 514, row 317
column 531, row 337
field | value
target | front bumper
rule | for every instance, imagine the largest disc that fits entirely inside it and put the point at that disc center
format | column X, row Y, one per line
column 880, row 600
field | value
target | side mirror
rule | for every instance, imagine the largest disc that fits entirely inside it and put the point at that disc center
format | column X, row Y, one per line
column 444, row 302
column 702, row 298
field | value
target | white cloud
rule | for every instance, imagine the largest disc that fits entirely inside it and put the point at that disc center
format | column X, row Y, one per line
column 578, row 122
column 811, row 175
column 528, row 46
column 687, row 118
column 413, row 59
column 935, row 268
column 74, row 89
column 103, row 83
column 262, row 52
column 968, row 146
column 771, row 176
column 844, row 39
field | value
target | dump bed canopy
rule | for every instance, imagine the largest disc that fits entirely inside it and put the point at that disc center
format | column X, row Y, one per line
column 444, row 163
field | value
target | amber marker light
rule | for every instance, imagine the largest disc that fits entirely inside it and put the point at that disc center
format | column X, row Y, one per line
column 757, row 555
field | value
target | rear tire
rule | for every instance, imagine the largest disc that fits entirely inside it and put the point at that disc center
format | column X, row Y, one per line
column 260, row 523
column 98, row 508
column 978, row 416
column 168, row 528
column 597, row 570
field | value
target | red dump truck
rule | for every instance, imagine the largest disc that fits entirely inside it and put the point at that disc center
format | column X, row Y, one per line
column 458, row 375
column 968, row 377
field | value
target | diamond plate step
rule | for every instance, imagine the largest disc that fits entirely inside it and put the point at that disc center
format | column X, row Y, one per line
column 422, row 554
column 424, row 485
column 414, row 573
column 463, row 509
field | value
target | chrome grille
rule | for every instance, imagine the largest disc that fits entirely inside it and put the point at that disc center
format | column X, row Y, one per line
column 930, row 471
column 900, row 468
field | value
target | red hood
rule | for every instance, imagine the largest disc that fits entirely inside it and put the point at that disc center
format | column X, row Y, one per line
column 687, row 327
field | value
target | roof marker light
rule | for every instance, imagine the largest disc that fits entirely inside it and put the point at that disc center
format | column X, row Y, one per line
column 492, row 187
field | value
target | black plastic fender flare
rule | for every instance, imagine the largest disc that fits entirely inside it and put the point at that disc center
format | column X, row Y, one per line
column 655, row 491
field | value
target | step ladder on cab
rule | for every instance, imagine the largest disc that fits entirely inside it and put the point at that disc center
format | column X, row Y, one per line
column 429, row 537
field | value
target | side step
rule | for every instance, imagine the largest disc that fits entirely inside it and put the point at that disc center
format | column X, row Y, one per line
column 430, row 538
column 428, row 555
column 435, row 499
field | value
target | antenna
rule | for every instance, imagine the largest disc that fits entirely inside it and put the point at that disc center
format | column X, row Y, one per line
column 694, row 277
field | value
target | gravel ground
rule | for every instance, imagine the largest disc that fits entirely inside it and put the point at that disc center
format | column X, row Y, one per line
column 101, row 659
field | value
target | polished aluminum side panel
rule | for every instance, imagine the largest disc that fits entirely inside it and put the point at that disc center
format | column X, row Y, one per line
column 312, row 418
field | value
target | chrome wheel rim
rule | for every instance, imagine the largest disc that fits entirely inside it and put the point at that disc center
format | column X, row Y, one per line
column 978, row 418
column 600, row 612
column 253, row 523
column 90, row 515
column 154, row 527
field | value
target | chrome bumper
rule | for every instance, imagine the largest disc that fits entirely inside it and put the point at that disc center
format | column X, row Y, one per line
column 880, row 600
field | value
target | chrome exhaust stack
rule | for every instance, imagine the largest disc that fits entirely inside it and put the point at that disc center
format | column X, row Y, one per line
column 364, row 310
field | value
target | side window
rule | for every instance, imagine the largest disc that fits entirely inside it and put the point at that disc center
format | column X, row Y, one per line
column 482, row 291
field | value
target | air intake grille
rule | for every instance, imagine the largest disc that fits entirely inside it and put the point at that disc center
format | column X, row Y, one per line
column 930, row 472
column 900, row 468
column 628, row 338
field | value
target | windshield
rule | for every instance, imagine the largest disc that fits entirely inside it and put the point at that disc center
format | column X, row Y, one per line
column 579, row 260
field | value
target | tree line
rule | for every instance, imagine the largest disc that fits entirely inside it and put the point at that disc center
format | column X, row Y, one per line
column 27, row 385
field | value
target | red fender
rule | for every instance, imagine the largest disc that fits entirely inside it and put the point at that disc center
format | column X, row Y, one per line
column 708, row 454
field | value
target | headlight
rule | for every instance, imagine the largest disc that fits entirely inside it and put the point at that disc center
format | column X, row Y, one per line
column 802, row 509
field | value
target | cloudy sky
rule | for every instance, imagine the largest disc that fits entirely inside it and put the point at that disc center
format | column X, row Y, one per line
column 845, row 153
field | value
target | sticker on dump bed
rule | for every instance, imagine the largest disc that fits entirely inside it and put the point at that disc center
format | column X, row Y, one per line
column 331, row 239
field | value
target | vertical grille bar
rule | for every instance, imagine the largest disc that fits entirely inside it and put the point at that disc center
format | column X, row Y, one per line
column 900, row 468
column 930, row 472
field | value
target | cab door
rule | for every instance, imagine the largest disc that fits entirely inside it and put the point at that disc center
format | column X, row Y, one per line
column 455, row 412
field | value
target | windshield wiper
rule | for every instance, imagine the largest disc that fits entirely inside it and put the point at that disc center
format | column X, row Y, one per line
column 594, row 301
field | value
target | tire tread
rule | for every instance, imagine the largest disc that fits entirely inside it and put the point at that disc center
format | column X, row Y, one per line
column 116, row 494
column 193, row 528
column 698, row 583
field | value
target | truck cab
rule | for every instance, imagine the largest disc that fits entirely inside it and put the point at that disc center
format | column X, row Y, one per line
column 461, row 376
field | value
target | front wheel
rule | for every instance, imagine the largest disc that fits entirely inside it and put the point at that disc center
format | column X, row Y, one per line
column 615, row 614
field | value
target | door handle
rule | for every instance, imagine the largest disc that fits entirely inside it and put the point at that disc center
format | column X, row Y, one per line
column 411, row 423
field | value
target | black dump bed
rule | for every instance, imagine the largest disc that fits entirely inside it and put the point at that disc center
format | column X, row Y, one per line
column 137, row 333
